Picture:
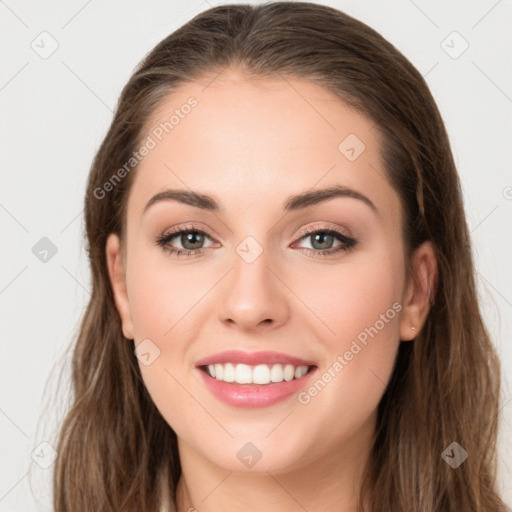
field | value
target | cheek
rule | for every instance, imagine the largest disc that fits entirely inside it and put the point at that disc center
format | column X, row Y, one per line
column 162, row 294
column 359, row 306
column 162, row 297
column 164, row 300
column 358, row 310
column 353, row 298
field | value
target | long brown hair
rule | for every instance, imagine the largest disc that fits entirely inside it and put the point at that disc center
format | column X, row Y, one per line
column 116, row 451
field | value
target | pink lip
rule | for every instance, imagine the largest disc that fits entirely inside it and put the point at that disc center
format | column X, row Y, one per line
column 253, row 358
column 254, row 395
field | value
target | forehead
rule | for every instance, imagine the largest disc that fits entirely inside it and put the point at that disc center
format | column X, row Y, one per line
column 235, row 136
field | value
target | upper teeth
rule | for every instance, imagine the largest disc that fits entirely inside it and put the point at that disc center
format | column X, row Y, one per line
column 260, row 374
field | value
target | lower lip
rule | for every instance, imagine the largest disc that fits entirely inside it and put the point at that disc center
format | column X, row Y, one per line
column 254, row 395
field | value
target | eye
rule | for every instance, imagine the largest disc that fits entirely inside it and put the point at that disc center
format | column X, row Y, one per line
column 323, row 240
column 190, row 239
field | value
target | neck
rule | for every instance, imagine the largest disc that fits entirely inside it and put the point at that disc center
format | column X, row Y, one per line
column 329, row 483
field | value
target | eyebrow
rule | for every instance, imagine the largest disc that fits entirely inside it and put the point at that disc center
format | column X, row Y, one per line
column 293, row 203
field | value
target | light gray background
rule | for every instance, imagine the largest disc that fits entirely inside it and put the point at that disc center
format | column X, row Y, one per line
column 55, row 112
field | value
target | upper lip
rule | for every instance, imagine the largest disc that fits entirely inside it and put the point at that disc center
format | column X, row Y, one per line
column 253, row 358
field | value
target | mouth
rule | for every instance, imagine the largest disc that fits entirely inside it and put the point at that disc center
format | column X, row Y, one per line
column 259, row 379
column 260, row 375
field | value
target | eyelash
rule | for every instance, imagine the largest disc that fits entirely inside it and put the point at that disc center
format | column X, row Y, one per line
column 347, row 242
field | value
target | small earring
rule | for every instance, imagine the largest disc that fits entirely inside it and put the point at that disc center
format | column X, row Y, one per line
column 413, row 328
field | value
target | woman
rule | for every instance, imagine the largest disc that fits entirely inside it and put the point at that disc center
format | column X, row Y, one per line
column 222, row 364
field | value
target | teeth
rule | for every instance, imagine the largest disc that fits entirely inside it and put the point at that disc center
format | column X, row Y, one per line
column 229, row 373
column 299, row 371
column 260, row 374
column 243, row 374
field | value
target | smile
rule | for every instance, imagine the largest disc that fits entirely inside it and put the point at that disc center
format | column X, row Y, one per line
column 261, row 374
column 257, row 379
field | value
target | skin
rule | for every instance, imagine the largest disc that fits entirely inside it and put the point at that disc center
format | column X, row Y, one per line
column 251, row 143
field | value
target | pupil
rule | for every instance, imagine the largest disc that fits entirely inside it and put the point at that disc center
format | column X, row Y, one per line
column 323, row 237
column 189, row 237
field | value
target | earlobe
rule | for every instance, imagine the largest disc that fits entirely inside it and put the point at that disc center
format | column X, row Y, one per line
column 118, row 282
column 420, row 292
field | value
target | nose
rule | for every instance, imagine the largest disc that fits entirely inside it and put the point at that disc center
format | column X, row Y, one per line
column 254, row 296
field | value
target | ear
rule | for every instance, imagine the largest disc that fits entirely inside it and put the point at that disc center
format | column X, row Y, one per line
column 420, row 291
column 118, row 282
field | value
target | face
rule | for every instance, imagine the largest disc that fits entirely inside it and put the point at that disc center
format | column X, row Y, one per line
column 318, row 284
